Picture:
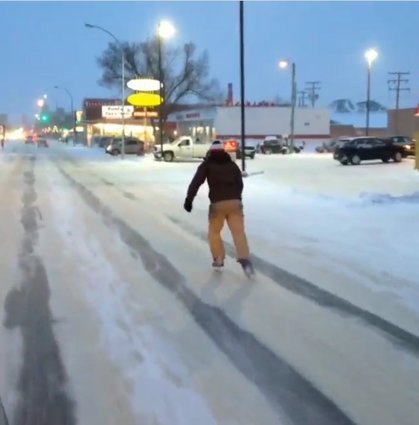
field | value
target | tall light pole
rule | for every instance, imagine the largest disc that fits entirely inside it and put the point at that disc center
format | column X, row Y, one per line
column 161, row 95
column 284, row 64
column 417, row 141
column 165, row 30
column 242, row 90
column 73, row 115
column 123, row 81
column 370, row 55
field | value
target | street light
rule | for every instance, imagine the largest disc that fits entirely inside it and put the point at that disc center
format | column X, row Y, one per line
column 242, row 91
column 370, row 55
column 284, row 64
column 165, row 30
column 72, row 109
column 123, row 81
column 41, row 103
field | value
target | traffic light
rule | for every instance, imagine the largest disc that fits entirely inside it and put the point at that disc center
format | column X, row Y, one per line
column 45, row 118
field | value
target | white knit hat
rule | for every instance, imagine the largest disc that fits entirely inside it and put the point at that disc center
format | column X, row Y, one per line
column 217, row 145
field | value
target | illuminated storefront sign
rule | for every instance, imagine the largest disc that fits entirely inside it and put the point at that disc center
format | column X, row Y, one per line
column 145, row 99
column 115, row 111
column 144, row 84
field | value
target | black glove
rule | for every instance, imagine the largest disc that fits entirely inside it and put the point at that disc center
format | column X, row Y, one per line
column 187, row 205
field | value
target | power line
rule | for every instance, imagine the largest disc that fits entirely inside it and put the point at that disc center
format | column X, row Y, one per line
column 312, row 88
column 395, row 84
column 302, row 95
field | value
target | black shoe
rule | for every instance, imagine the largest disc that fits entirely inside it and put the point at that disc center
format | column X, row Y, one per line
column 247, row 267
column 218, row 263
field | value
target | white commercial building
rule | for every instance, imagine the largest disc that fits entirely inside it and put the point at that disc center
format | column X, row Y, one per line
column 312, row 125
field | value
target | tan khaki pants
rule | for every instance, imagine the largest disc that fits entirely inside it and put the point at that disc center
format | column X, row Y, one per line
column 232, row 212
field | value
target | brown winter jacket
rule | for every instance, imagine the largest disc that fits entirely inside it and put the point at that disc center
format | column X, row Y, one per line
column 224, row 178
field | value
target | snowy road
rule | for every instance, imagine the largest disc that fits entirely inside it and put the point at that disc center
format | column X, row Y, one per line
column 111, row 314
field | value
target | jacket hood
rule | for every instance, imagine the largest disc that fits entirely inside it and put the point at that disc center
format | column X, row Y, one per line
column 218, row 157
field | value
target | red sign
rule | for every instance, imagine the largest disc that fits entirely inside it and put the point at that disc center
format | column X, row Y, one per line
column 93, row 107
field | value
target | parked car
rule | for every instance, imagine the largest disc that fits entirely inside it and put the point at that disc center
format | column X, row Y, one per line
column 133, row 146
column 357, row 149
column 272, row 146
column 249, row 152
column 408, row 144
column 184, row 147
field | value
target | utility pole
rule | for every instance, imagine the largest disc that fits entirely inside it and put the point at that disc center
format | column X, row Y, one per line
column 302, row 95
column 312, row 88
column 293, row 102
column 395, row 84
column 242, row 89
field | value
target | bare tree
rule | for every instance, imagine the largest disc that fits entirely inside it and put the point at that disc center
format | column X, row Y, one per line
column 185, row 73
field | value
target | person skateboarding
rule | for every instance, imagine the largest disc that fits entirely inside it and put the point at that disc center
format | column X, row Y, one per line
column 225, row 184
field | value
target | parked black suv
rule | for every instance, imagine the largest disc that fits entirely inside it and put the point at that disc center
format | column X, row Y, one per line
column 408, row 145
column 270, row 146
column 357, row 149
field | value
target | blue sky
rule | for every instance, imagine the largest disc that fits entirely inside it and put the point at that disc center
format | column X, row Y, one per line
column 45, row 43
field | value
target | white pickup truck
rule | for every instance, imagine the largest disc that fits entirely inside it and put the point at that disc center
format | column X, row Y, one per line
column 184, row 147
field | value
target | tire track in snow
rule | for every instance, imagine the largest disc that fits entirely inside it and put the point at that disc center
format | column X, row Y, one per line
column 42, row 381
column 3, row 417
column 287, row 391
column 306, row 289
